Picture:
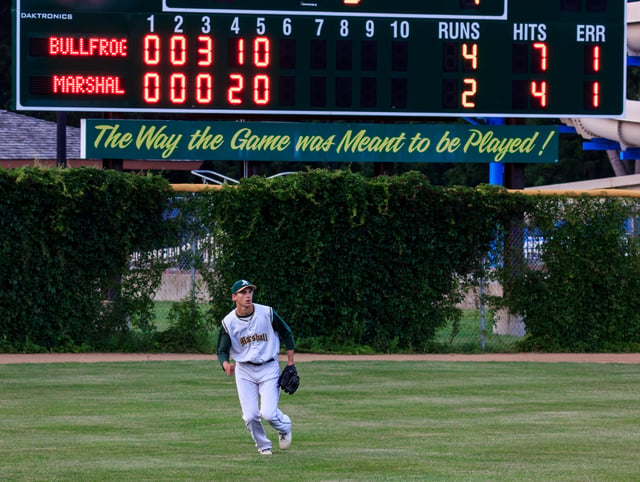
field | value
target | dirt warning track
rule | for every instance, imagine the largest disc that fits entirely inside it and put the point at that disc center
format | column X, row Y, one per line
column 6, row 359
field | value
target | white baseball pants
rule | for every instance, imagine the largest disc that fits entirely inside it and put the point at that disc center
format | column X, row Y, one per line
column 259, row 394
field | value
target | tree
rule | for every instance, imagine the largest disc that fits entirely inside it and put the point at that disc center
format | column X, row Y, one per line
column 5, row 55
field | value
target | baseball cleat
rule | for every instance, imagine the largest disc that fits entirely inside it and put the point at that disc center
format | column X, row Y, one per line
column 285, row 440
column 265, row 452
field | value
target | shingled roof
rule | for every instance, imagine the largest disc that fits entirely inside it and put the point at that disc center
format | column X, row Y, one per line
column 27, row 138
column 27, row 141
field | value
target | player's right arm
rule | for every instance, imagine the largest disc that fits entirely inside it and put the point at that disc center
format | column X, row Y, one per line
column 285, row 334
column 222, row 351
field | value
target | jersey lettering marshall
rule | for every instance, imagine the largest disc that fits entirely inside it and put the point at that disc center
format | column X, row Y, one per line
column 253, row 339
column 248, row 339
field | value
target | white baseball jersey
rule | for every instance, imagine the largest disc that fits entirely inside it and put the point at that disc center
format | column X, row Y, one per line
column 253, row 338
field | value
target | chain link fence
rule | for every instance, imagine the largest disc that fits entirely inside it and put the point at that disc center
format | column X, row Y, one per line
column 482, row 327
column 181, row 281
column 488, row 329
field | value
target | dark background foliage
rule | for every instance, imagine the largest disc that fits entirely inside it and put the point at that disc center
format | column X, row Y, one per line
column 377, row 261
column 585, row 298
column 348, row 261
column 66, row 238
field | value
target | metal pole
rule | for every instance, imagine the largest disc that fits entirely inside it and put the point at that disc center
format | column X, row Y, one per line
column 482, row 320
column 61, row 139
column 496, row 169
column 194, row 253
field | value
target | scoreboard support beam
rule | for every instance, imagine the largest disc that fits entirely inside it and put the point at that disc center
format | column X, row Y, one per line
column 496, row 169
column 61, row 139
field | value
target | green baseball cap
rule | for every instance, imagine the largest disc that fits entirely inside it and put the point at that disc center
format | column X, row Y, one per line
column 241, row 285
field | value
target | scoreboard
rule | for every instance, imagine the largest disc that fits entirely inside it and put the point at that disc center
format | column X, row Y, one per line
column 377, row 58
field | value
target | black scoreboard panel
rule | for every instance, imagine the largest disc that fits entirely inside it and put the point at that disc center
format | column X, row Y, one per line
column 547, row 58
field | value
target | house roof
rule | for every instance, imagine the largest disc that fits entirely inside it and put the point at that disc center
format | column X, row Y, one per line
column 631, row 182
column 27, row 138
column 27, row 141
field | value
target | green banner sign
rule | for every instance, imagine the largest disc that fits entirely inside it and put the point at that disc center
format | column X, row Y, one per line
column 316, row 141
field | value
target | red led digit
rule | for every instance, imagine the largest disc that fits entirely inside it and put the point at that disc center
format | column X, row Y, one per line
column 205, row 51
column 151, row 90
column 596, row 58
column 595, row 95
column 592, row 59
column 468, row 95
column 261, row 89
column 240, row 51
column 204, row 88
column 470, row 54
column 261, row 52
column 178, row 88
column 542, row 48
column 151, row 49
column 178, row 50
column 539, row 91
column 234, row 92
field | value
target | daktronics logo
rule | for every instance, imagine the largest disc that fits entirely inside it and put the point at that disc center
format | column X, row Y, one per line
column 46, row 16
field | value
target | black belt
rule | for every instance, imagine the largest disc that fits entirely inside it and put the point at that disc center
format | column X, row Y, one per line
column 260, row 364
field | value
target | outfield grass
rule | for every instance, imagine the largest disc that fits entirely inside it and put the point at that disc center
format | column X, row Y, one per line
column 352, row 421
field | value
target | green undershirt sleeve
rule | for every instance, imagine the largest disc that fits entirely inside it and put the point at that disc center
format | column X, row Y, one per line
column 284, row 332
column 224, row 345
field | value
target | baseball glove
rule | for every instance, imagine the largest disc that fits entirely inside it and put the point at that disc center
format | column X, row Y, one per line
column 289, row 380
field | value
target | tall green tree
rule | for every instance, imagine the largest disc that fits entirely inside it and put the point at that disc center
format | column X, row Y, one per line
column 6, row 32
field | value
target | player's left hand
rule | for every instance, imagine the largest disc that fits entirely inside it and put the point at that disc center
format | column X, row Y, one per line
column 229, row 368
column 289, row 380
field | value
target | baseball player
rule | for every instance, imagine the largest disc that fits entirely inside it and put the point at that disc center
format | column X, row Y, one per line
column 251, row 335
